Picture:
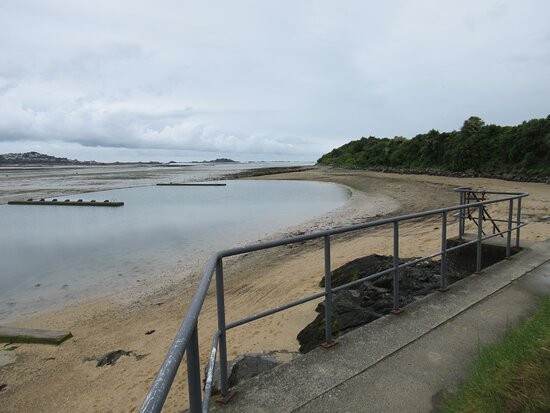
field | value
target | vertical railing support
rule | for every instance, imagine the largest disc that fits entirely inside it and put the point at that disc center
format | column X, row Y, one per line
column 328, row 295
column 479, row 233
column 509, row 234
column 443, row 269
column 194, row 373
column 396, row 309
column 224, row 387
column 461, row 216
column 518, row 219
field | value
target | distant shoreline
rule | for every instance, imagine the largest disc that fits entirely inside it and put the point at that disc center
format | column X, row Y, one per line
column 23, row 182
column 514, row 177
column 27, row 159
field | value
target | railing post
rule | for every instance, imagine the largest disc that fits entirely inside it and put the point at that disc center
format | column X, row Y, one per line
column 328, row 296
column 396, row 309
column 461, row 216
column 443, row 269
column 518, row 218
column 194, row 373
column 509, row 234
column 224, row 387
column 479, row 233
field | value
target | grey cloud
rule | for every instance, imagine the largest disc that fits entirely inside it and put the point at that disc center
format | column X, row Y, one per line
column 269, row 78
column 126, row 129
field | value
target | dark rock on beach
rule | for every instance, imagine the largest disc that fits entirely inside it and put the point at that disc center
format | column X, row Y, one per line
column 369, row 300
column 110, row 358
column 244, row 367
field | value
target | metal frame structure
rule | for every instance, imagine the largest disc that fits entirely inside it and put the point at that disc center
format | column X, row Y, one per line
column 186, row 340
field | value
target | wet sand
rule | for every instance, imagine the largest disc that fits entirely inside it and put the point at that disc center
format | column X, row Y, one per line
column 46, row 378
column 23, row 182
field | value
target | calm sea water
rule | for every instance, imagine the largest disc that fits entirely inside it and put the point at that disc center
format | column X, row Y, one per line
column 51, row 255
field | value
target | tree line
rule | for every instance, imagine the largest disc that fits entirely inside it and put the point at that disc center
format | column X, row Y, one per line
column 475, row 148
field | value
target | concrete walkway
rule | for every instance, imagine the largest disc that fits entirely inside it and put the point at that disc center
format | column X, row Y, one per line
column 404, row 363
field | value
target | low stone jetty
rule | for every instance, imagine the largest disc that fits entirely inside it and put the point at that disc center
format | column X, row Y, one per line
column 68, row 202
column 188, row 184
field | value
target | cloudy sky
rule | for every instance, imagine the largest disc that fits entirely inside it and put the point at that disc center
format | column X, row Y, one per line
column 261, row 80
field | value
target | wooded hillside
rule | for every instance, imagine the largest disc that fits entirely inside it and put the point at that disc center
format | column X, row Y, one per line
column 476, row 147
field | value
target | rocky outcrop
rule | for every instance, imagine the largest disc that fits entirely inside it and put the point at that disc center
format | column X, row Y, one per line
column 369, row 300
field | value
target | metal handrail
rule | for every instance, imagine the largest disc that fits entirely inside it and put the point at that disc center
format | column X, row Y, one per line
column 186, row 340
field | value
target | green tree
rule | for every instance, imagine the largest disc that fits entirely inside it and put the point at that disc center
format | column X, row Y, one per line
column 472, row 125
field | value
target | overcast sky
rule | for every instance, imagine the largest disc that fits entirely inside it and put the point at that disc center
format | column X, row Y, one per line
column 261, row 80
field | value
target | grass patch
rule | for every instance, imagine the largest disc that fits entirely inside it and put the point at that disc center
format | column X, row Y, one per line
column 512, row 375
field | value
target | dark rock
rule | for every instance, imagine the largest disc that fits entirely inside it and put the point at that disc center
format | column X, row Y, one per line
column 386, row 282
column 348, row 311
column 359, row 268
column 111, row 357
column 250, row 365
column 243, row 368
column 312, row 335
column 3, row 386
column 147, row 333
column 369, row 300
column 383, row 305
column 344, row 301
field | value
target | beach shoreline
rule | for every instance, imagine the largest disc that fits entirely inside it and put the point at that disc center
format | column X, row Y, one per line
column 254, row 282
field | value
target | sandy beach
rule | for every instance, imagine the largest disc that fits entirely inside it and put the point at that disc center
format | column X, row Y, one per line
column 65, row 378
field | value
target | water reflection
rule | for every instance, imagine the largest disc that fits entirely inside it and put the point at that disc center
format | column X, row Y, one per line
column 52, row 254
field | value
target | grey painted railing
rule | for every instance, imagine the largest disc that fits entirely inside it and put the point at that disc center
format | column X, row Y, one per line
column 186, row 340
